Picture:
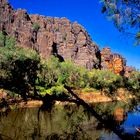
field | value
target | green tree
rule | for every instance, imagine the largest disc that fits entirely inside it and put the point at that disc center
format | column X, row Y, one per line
column 18, row 70
column 69, row 74
column 49, row 71
column 105, row 80
column 133, row 82
column 125, row 14
column 84, row 77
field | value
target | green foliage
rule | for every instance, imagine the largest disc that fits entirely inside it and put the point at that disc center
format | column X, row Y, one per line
column 42, row 90
column 2, row 39
column 104, row 79
column 133, row 82
column 84, row 77
column 10, row 42
column 124, row 14
column 69, row 74
column 18, row 69
column 73, row 76
column 7, row 41
column 22, row 72
column 35, row 26
column 58, row 91
column 49, row 72
column 54, row 73
column 89, row 90
column 137, row 39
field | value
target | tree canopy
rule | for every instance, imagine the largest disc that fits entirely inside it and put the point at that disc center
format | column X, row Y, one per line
column 125, row 14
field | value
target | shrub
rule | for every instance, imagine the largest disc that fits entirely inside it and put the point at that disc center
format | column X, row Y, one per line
column 49, row 71
column 58, row 91
column 7, row 41
column 36, row 27
column 69, row 74
column 105, row 79
column 2, row 39
column 133, row 82
column 10, row 42
column 89, row 90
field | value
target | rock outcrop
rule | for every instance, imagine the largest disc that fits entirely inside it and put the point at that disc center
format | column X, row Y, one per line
column 59, row 37
column 128, row 70
column 112, row 61
column 50, row 36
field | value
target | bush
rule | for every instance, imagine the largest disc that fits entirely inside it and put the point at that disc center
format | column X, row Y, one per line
column 49, row 71
column 10, row 42
column 69, row 75
column 105, row 79
column 7, row 41
column 58, row 91
column 54, row 73
column 35, row 26
column 89, row 90
column 2, row 39
column 133, row 82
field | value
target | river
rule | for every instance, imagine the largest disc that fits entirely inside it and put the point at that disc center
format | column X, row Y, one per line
column 67, row 122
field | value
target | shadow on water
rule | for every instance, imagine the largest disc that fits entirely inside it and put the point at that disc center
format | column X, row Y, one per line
column 71, row 122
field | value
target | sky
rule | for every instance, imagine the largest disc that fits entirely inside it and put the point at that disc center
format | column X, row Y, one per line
column 88, row 14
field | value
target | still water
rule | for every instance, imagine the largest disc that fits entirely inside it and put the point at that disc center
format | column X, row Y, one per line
column 68, row 122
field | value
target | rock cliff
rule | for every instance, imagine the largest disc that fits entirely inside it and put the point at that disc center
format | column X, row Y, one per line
column 50, row 36
column 112, row 61
column 59, row 37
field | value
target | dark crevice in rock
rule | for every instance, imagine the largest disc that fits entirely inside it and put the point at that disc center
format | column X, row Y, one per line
column 55, row 52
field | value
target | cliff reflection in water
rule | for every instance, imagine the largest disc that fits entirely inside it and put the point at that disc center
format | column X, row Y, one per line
column 61, row 123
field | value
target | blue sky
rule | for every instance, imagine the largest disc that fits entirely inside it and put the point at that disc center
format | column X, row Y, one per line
column 88, row 14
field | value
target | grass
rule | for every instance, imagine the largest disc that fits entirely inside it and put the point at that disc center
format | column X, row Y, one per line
column 89, row 90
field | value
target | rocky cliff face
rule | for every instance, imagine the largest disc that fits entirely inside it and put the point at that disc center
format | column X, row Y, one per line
column 112, row 61
column 50, row 36
column 59, row 37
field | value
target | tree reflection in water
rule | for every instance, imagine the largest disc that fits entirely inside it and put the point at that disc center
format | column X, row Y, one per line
column 61, row 122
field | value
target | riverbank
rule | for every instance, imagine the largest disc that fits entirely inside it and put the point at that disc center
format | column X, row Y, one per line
column 97, row 97
column 89, row 97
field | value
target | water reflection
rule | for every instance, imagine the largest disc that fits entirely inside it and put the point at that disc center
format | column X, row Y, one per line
column 132, row 122
column 69, row 122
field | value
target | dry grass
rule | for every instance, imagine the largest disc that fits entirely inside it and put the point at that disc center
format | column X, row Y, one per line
column 122, row 95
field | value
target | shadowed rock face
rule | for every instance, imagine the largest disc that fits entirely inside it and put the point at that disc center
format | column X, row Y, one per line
column 71, row 40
